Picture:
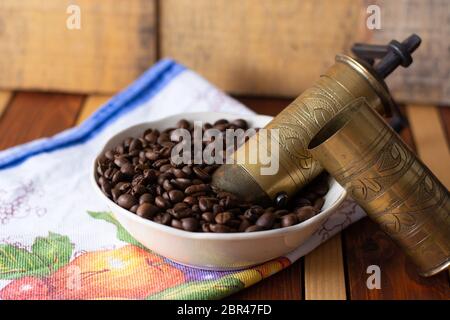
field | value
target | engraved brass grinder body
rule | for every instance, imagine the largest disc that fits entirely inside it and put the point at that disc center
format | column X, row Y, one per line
column 381, row 173
column 346, row 80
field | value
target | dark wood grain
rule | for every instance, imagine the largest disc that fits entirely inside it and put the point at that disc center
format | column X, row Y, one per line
column 32, row 115
column 267, row 106
column 365, row 244
column 445, row 114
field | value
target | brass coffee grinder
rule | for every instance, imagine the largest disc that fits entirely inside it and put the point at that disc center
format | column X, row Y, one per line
column 348, row 84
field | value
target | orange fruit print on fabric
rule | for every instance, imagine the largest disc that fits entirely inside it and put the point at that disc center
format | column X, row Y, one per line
column 125, row 273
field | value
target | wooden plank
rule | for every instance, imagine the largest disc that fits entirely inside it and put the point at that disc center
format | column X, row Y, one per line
column 279, row 48
column 430, row 137
column 92, row 103
column 445, row 115
column 266, row 106
column 324, row 272
column 115, row 44
column 284, row 285
column 257, row 47
column 426, row 80
column 365, row 244
column 5, row 97
column 33, row 115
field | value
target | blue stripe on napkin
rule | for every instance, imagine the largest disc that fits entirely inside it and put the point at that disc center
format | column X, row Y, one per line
column 143, row 89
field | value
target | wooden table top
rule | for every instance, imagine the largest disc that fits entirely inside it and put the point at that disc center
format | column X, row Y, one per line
column 335, row 270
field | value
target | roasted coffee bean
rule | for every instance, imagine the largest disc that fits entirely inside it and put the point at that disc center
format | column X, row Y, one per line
column 165, row 195
column 218, row 208
column 127, row 141
column 289, row 220
column 146, row 198
column 164, row 136
column 123, row 186
column 186, row 170
column 106, row 188
column 120, row 149
column 152, row 155
column 221, row 121
column 205, row 227
column 219, row 228
column 206, row 204
column 176, row 196
column 162, row 177
column 167, row 185
column 176, row 224
column 196, row 208
column 223, row 217
column 196, row 188
column 198, row 194
column 240, row 123
column 181, row 183
column 318, row 204
column 254, row 213
column 180, row 206
column 115, row 193
column 311, row 196
column 165, row 167
column 302, row 202
column 135, row 144
column 229, row 202
column 159, row 163
column 305, row 213
column 120, row 161
column 166, row 219
column 197, row 181
column 139, row 189
column 201, row 174
column 234, row 223
column 126, row 201
column 254, row 228
column 190, row 224
column 280, row 213
column 178, row 173
column 190, row 200
column 245, row 223
column 162, row 203
column 159, row 190
column 147, row 210
column 127, row 169
column 134, row 208
column 181, row 210
column 183, row 124
column 266, row 220
column 110, row 155
column 208, row 216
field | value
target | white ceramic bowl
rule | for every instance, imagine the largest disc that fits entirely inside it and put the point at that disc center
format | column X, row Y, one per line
column 218, row 251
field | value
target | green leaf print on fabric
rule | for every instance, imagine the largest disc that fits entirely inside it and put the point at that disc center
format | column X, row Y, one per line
column 198, row 290
column 55, row 250
column 47, row 254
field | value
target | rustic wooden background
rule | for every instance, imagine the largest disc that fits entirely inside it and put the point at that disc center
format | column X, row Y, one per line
column 251, row 47
column 248, row 48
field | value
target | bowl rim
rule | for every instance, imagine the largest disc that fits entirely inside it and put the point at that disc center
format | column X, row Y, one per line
column 115, row 208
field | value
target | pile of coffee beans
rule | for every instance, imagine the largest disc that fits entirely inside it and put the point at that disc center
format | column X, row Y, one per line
column 139, row 176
